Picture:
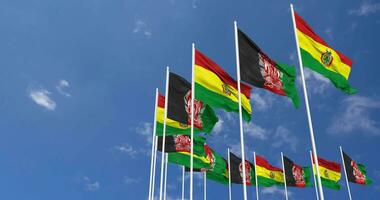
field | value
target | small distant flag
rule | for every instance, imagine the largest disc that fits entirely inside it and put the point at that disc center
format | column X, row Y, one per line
column 217, row 88
column 257, row 69
column 356, row 173
column 322, row 58
column 236, row 168
column 183, row 157
column 330, row 173
column 268, row 175
column 296, row 176
column 179, row 143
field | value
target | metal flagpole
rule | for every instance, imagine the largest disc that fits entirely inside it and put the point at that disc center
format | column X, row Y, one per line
column 183, row 182
column 164, row 132
column 307, row 106
column 345, row 172
column 240, row 111
column 153, row 145
column 154, row 166
column 256, row 181
column 166, row 174
column 315, row 181
column 229, row 175
column 283, row 169
column 205, row 185
column 192, row 121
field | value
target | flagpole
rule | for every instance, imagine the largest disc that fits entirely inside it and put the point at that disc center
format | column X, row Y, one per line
column 154, row 166
column 283, row 170
column 240, row 111
column 153, row 145
column 205, row 185
column 166, row 174
column 192, row 121
column 315, row 181
column 183, row 182
column 345, row 172
column 256, row 181
column 229, row 175
column 164, row 132
column 306, row 98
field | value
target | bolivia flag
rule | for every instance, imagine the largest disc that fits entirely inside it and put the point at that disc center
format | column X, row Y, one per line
column 261, row 71
column 356, row 173
column 174, row 127
column 296, row 176
column 216, row 88
column 319, row 56
column 268, row 175
column 201, row 161
column 329, row 172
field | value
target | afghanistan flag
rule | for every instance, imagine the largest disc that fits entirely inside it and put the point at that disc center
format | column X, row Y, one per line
column 183, row 157
column 216, row 88
column 319, row 56
column 268, row 175
column 179, row 110
column 329, row 172
column 257, row 69
column 296, row 176
column 356, row 173
column 179, row 143
column 236, row 168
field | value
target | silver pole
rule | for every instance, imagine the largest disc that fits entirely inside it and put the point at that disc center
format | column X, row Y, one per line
column 204, row 185
column 240, row 111
column 192, row 122
column 153, row 145
column 229, row 175
column 164, row 132
column 307, row 106
column 345, row 173
column 315, row 180
column 154, row 166
column 283, row 169
column 166, row 174
column 183, row 182
column 257, row 182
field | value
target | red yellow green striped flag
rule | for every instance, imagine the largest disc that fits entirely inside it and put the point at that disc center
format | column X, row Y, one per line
column 268, row 175
column 174, row 127
column 218, row 89
column 322, row 58
column 329, row 172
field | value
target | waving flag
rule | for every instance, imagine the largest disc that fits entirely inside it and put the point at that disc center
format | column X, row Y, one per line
column 237, row 171
column 257, row 69
column 296, row 176
column 179, row 143
column 356, row 173
column 218, row 89
column 322, row 58
column 330, row 173
column 268, row 175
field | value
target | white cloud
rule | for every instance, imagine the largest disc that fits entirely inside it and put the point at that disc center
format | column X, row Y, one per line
column 91, row 185
column 315, row 82
column 142, row 27
column 41, row 97
column 218, row 126
column 366, row 8
column 355, row 115
column 129, row 180
column 62, row 84
column 274, row 191
column 145, row 129
column 283, row 137
column 255, row 131
column 127, row 149
column 262, row 100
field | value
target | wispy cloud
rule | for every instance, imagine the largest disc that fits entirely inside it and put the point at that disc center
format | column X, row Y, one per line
column 91, row 185
column 356, row 115
column 218, row 126
column 256, row 131
column 329, row 32
column 62, row 84
column 41, row 97
column 262, row 100
column 366, row 8
column 194, row 4
column 146, row 130
column 316, row 83
column 283, row 137
column 142, row 27
column 127, row 149
column 130, row 180
column 271, row 191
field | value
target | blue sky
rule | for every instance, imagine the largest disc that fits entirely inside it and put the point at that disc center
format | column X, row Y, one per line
column 78, row 78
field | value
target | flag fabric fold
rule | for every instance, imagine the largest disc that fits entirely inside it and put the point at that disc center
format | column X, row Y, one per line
column 295, row 175
column 217, row 88
column 356, row 173
column 329, row 172
column 322, row 58
column 268, row 175
column 256, row 68
column 236, row 168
